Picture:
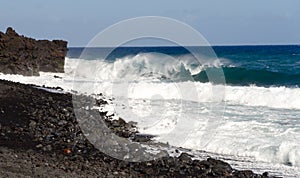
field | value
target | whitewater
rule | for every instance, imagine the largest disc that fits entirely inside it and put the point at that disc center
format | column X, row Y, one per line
column 255, row 123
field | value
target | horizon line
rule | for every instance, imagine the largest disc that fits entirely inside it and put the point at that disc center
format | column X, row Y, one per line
column 215, row 45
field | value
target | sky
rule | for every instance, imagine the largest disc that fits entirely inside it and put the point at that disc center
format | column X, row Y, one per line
column 221, row 22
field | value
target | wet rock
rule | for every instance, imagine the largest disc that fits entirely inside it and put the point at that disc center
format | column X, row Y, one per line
column 244, row 174
column 100, row 102
column 186, row 158
column 219, row 168
column 265, row 174
column 141, row 137
column 55, row 76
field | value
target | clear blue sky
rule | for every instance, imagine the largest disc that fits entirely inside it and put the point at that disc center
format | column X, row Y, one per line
column 220, row 21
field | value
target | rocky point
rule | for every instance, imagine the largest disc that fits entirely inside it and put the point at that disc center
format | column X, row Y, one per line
column 27, row 56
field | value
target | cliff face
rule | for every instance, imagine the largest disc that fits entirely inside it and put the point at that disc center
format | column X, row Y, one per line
column 27, row 56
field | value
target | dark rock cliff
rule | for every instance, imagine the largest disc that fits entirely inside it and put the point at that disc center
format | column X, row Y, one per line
column 27, row 56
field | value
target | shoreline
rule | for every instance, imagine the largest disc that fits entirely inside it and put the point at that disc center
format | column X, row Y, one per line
column 40, row 128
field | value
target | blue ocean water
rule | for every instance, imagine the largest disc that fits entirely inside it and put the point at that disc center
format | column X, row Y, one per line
column 165, row 89
column 242, row 65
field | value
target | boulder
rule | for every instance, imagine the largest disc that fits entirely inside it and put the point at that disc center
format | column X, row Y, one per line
column 27, row 56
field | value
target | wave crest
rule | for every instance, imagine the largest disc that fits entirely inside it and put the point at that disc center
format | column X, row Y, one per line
column 141, row 66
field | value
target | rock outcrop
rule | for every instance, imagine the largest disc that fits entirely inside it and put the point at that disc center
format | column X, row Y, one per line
column 27, row 56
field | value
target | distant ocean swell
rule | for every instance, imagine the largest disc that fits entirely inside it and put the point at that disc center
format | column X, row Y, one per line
column 246, row 77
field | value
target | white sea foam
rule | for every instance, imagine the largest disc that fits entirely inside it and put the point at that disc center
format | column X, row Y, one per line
column 273, row 97
column 266, row 134
column 141, row 66
column 258, row 122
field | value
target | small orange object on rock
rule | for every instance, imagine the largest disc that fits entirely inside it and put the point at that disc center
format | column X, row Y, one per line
column 67, row 151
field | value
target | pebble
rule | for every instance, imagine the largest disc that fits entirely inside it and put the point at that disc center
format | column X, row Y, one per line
column 39, row 146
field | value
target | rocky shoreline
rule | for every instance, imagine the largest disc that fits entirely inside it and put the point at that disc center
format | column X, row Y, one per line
column 40, row 137
column 27, row 56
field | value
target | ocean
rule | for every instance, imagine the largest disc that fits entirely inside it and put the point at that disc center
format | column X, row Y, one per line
column 241, row 105
column 258, row 116
column 242, row 65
